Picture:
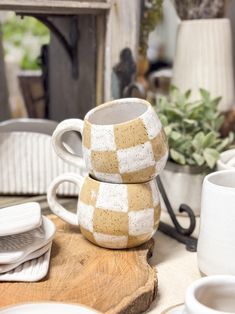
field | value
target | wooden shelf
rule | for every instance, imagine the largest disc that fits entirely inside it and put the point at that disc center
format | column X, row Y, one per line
column 55, row 6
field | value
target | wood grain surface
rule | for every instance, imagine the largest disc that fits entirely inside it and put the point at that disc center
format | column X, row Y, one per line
column 111, row 281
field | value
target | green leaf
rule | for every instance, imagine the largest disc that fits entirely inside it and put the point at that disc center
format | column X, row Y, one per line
column 195, row 106
column 211, row 156
column 209, row 139
column 187, row 94
column 198, row 140
column 163, row 119
column 218, row 122
column 177, row 157
column 231, row 137
column 175, row 112
column 205, row 94
column 215, row 102
column 199, row 159
column 175, row 135
column 167, row 130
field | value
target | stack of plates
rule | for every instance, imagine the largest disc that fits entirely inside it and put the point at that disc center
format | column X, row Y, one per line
column 25, row 243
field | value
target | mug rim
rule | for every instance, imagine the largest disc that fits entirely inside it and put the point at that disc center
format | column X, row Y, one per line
column 121, row 100
column 92, row 177
column 191, row 299
column 218, row 186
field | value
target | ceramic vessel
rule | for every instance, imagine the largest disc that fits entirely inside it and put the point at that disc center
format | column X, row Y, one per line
column 28, row 164
column 7, row 267
column 111, row 215
column 226, row 160
column 216, row 243
column 48, row 308
column 204, row 59
column 29, row 271
column 211, row 295
column 123, row 141
column 14, row 248
column 183, row 184
column 20, row 218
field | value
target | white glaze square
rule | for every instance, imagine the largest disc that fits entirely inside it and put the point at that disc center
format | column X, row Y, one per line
column 113, row 197
column 85, row 216
column 135, row 158
column 141, row 222
column 102, row 138
column 111, row 241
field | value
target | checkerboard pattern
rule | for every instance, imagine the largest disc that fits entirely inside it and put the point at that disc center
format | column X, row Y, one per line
column 118, row 215
column 134, row 151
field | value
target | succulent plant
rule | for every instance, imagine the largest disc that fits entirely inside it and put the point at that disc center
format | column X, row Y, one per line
column 200, row 9
column 192, row 128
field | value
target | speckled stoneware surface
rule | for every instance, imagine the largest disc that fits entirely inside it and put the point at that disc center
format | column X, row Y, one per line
column 111, row 215
column 123, row 141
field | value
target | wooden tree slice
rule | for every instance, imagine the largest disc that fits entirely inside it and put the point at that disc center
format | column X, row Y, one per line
column 111, row 281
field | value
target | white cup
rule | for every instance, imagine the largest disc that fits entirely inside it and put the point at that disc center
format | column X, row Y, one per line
column 211, row 295
column 226, row 160
column 216, row 243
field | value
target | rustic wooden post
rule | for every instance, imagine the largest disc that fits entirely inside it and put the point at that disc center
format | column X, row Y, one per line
column 71, row 97
column 122, row 31
column 4, row 106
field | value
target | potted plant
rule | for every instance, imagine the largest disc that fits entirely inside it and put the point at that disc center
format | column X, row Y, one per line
column 192, row 128
column 203, row 56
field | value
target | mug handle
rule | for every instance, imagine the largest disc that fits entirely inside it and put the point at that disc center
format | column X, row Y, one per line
column 54, row 205
column 63, row 127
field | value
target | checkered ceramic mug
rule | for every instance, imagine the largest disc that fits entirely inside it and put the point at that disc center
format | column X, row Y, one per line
column 109, row 214
column 123, row 141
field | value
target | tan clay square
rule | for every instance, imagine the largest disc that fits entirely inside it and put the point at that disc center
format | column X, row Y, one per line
column 139, row 176
column 110, row 222
column 87, row 234
column 130, row 134
column 138, row 240
column 139, row 197
column 105, row 161
column 86, row 135
column 157, row 214
column 89, row 192
column 159, row 145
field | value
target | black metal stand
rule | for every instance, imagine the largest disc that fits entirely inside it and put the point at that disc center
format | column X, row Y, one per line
column 177, row 232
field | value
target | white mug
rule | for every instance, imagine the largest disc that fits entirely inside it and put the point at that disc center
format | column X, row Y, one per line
column 110, row 215
column 216, row 243
column 123, row 141
column 211, row 295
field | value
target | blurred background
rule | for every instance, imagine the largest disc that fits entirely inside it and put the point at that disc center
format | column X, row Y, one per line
column 36, row 78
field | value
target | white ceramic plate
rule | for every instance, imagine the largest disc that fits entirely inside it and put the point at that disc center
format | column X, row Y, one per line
column 7, row 267
column 176, row 309
column 33, row 270
column 20, row 218
column 16, row 247
column 48, row 308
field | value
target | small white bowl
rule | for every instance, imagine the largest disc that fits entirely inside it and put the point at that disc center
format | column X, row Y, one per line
column 226, row 160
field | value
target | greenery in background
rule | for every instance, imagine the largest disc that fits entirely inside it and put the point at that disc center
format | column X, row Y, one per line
column 200, row 9
column 22, row 39
column 193, row 128
column 152, row 14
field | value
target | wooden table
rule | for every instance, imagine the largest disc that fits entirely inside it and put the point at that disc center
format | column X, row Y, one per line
column 176, row 268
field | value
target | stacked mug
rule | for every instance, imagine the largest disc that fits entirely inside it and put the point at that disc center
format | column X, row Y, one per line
column 124, row 148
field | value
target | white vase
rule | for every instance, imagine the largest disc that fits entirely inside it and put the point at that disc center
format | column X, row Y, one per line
column 183, row 185
column 204, row 59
